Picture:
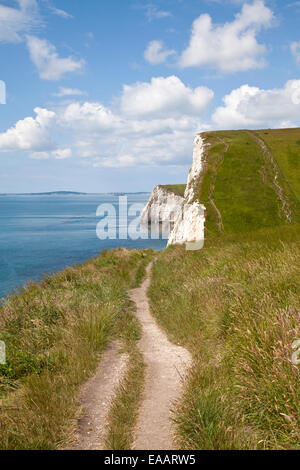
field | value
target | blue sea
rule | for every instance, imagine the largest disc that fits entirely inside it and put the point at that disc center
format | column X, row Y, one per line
column 43, row 234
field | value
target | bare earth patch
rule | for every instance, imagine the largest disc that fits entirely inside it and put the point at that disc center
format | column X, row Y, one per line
column 96, row 397
column 167, row 365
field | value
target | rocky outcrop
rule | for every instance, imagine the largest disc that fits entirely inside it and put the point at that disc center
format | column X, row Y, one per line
column 189, row 224
column 185, row 215
column 163, row 206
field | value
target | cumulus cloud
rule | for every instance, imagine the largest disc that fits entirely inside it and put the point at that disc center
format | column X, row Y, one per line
column 232, row 46
column 16, row 21
column 156, row 53
column 163, row 97
column 45, row 57
column 256, row 108
column 31, row 134
column 295, row 50
column 161, row 134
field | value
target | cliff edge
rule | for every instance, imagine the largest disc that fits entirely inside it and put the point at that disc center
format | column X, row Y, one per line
column 189, row 224
column 184, row 213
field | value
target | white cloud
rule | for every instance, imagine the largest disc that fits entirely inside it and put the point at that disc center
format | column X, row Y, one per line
column 154, row 13
column 45, row 57
column 16, row 21
column 256, row 108
column 62, row 154
column 31, row 134
column 163, row 135
column 69, row 92
column 163, row 97
column 58, row 154
column 89, row 117
column 156, row 52
column 40, row 155
column 61, row 13
column 295, row 49
column 232, row 46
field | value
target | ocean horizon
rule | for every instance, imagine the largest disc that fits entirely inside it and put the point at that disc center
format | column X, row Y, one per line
column 42, row 234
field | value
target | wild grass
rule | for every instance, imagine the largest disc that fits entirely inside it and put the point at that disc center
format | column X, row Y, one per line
column 55, row 332
column 235, row 305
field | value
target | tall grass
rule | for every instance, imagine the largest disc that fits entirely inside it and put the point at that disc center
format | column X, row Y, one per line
column 55, row 332
column 236, row 306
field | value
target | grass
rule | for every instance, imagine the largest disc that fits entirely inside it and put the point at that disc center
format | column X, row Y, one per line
column 235, row 306
column 177, row 189
column 285, row 146
column 55, row 332
column 124, row 412
column 239, row 182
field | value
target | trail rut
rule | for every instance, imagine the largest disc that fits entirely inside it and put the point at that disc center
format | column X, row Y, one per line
column 167, row 365
column 96, row 397
column 285, row 207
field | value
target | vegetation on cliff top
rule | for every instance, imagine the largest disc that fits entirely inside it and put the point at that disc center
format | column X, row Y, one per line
column 250, row 180
column 177, row 189
column 55, row 331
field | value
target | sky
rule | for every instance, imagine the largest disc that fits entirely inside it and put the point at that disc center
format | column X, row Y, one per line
column 107, row 95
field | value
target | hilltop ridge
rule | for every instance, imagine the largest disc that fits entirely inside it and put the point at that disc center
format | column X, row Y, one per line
column 240, row 181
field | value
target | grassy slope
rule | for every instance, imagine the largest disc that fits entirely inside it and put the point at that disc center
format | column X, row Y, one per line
column 239, row 181
column 235, row 304
column 175, row 188
column 236, row 307
column 55, row 332
column 285, row 146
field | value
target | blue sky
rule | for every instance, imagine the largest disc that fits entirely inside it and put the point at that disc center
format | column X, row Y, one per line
column 107, row 95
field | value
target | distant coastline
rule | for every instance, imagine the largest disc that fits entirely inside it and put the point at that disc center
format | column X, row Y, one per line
column 72, row 193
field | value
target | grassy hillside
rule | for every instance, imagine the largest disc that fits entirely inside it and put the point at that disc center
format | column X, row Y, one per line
column 55, row 332
column 285, row 146
column 250, row 180
column 235, row 304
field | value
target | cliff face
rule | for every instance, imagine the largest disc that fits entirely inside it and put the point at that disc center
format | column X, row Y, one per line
column 163, row 206
column 185, row 214
column 189, row 224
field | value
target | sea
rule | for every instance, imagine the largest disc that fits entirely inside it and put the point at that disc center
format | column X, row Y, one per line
column 42, row 234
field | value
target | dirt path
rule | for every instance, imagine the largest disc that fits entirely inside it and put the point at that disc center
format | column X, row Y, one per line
column 167, row 365
column 96, row 397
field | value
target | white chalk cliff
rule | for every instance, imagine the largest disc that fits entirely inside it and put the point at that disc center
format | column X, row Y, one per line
column 186, row 214
column 163, row 206
column 190, row 223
